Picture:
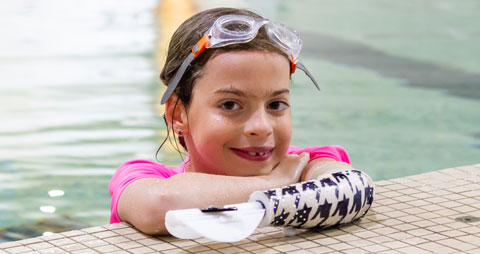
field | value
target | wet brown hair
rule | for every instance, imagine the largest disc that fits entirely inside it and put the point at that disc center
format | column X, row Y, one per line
column 186, row 37
column 189, row 33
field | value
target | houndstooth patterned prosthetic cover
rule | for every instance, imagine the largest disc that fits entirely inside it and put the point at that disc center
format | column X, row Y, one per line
column 332, row 199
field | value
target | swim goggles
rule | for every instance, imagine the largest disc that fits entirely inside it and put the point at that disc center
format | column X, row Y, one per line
column 234, row 29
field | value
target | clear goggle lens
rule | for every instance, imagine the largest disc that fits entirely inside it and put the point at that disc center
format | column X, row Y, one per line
column 232, row 29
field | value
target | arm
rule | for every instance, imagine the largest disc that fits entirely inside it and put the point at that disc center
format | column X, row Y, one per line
column 145, row 202
column 322, row 166
column 324, row 159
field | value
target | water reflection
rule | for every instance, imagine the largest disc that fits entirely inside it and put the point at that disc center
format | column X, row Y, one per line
column 76, row 87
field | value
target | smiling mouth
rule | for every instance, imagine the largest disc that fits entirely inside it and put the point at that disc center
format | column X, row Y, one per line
column 254, row 153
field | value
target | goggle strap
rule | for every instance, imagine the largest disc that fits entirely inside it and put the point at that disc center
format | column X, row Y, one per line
column 202, row 44
column 174, row 83
column 304, row 69
column 293, row 64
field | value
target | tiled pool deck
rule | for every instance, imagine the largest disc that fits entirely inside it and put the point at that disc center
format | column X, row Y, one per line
column 414, row 214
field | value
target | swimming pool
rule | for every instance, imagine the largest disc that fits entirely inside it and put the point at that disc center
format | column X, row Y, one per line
column 79, row 94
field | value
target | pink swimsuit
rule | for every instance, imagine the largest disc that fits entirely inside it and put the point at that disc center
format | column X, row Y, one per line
column 138, row 169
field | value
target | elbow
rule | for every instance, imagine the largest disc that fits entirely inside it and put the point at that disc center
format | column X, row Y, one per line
column 151, row 219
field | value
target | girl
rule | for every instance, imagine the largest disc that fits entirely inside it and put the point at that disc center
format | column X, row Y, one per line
column 227, row 72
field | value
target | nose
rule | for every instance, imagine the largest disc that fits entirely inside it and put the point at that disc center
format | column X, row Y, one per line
column 259, row 124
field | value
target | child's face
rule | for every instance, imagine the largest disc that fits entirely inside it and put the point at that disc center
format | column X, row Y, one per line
column 239, row 117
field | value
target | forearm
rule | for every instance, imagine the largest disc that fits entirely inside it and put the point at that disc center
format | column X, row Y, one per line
column 145, row 202
column 323, row 166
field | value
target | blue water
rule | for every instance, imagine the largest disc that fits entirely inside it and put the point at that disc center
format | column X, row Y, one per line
column 79, row 93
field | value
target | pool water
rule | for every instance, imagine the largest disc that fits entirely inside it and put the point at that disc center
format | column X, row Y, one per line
column 79, row 94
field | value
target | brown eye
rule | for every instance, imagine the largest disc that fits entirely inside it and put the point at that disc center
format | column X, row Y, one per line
column 229, row 105
column 278, row 105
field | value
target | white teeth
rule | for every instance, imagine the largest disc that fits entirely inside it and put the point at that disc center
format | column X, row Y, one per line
column 252, row 153
column 261, row 154
column 256, row 154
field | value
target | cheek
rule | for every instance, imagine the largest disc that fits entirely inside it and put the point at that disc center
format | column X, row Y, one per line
column 210, row 130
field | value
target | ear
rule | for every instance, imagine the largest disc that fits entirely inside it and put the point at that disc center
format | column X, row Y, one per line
column 176, row 114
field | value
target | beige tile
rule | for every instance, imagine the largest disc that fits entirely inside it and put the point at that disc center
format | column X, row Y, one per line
column 400, row 206
column 128, row 245
column 83, row 238
column 447, row 212
column 320, row 250
column 471, row 230
column 361, row 243
column 229, row 250
column 17, row 249
column 141, row 250
column 404, row 227
column 471, row 239
column 443, row 221
column 162, row 246
column 124, row 231
column 106, row 248
column 116, row 239
column 300, row 252
column 380, row 239
column 432, row 207
column 429, row 216
column 453, row 233
column 375, row 248
column 421, row 195
column 306, row 244
column 413, row 192
column 400, row 236
column 365, row 234
column 456, row 244
column 31, row 241
column 419, row 203
column 424, row 223
column 184, row 243
column 391, row 222
column 73, row 247
column 74, row 233
column 148, row 241
column 40, row 246
column 104, row 234
column 434, row 237
column 252, row 246
column 62, row 241
column 340, row 246
column 347, row 237
column 405, row 198
column 415, row 240
column 265, row 251
column 388, row 252
column 391, row 194
column 413, row 249
column 94, row 243
column 86, row 251
column 410, row 218
column 355, row 251
column 395, row 245
column 93, row 230
column 326, row 241
column 286, row 248
column 419, row 232
column 438, row 228
column 54, row 250
column 385, row 230
column 217, row 245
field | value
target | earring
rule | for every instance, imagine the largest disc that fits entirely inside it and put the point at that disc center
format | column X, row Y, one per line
column 180, row 132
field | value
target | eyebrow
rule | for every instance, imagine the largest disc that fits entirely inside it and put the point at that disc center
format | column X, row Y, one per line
column 241, row 93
